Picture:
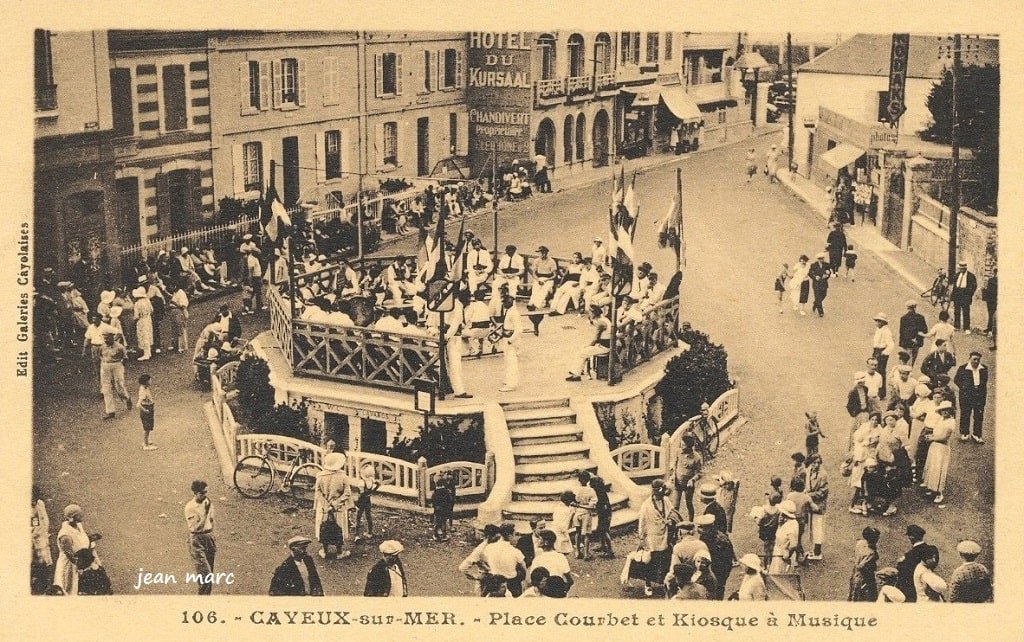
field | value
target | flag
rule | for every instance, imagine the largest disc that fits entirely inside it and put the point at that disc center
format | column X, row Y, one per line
column 279, row 221
column 668, row 229
column 624, row 226
column 431, row 256
column 617, row 184
column 458, row 265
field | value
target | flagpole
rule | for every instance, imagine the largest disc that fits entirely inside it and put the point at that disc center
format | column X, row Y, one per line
column 494, row 199
column 679, row 195
column 291, row 282
column 359, row 220
column 615, row 328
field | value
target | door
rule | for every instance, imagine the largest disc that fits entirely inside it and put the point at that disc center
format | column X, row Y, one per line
column 422, row 146
column 179, row 192
column 128, row 209
column 290, row 161
column 892, row 227
column 600, row 139
column 336, row 430
column 374, row 437
column 545, row 142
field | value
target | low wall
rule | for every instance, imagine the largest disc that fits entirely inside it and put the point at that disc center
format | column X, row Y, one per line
column 929, row 236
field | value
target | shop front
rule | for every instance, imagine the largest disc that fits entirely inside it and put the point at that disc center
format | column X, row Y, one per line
column 659, row 118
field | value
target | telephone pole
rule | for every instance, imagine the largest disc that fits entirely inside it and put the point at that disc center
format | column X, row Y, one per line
column 792, row 98
column 954, row 206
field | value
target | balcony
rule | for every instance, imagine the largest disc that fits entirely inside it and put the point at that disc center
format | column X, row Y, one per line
column 580, row 87
column 126, row 147
column 46, row 97
column 606, row 82
column 549, row 92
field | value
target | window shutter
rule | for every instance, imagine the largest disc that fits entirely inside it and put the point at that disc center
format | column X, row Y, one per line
column 332, row 82
column 243, row 87
column 278, row 82
column 321, row 157
column 344, row 144
column 439, row 69
column 195, row 185
column 458, row 69
column 462, row 144
column 398, row 74
column 267, row 177
column 379, row 144
column 265, row 85
column 163, row 205
column 378, row 77
column 238, row 169
column 302, row 81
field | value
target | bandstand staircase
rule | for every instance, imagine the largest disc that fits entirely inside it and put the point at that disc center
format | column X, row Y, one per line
column 549, row 450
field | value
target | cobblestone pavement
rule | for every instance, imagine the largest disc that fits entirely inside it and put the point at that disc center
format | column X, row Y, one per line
column 738, row 236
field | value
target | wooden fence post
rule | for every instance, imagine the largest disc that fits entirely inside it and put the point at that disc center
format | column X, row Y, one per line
column 666, row 455
column 489, row 471
column 422, row 481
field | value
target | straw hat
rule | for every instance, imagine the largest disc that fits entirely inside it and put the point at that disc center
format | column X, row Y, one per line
column 139, row 293
column 106, row 296
column 299, row 540
column 751, row 560
column 391, row 547
column 334, row 461
column 788, row 508
column 72, row 510
column 881, row 317
column 115, row 311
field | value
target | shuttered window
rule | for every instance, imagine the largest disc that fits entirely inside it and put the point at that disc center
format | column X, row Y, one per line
column 449, row 69
column 427, row 71
column 289, row 82
column 174, row 98
column 122, row 102
column 388, row 74
column 332, row 82
column 252, row 166
column 391, row 143
column 332, row 154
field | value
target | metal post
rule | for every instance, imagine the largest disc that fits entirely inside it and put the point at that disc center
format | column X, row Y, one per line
column 792, row 98
column 954, row 206
column 442, row 348
column 494, row 199
column 615, row 327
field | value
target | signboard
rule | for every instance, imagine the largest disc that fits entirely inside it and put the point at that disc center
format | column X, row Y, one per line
column 863, row 135
column 898, row 77
column 499, row 95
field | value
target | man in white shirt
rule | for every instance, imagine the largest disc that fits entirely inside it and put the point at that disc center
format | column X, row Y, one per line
column 509, row 271
column 93, row 343
column 479, row 265
column 655, row 293
column 511, row 329
column 478, row 322
column 543, row 269
column 391, row 322
column 883, row 345
column 875, row 383
column 598, row 252
column 499, row 557
column 202, row 546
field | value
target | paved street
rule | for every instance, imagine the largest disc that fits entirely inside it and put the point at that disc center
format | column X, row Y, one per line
column 738, row 237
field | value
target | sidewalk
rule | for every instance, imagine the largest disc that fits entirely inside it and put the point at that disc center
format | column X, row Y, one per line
column 864, row 237
column 578, row 176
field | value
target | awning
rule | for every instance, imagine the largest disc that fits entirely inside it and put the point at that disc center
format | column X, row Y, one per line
column 646, row 96
column 680, row 104
column 842, row 155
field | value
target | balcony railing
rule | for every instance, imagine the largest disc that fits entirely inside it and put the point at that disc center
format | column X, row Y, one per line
column 551, row 88
column 579, row 85
column 605, row 81
column 126, row 147
column 46, row 97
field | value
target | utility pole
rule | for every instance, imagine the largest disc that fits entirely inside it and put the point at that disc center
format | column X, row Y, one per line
column 494, row 199
column 792, row 98
column 954, row 206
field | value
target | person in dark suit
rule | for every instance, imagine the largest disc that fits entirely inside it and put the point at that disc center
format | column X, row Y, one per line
column 857, row 404
column 835, row 245
column 708, row 497
column 819, row 273
column 939, row 362
column 913, row 327
column 529, row 544
column 989, row 294
column 971, row 380
column 965, row 284
column 229, row 323
column 906, row 564
column 297, row 575
column 380, row 581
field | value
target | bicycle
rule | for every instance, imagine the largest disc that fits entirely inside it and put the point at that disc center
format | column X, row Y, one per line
column 255, row 475
column 939, row 293
column 705, row 432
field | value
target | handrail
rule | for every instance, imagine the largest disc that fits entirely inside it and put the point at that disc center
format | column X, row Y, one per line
column 641, row 460
column 637, row 343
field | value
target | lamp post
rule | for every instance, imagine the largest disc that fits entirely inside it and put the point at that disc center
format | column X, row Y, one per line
column 792, row 98
column 750, row 65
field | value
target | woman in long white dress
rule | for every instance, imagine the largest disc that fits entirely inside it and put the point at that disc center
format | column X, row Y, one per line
column 143, row 323
column 800, row 284
column 936, row 468
column 919, row 411
column 332, row 494
column 71, row 538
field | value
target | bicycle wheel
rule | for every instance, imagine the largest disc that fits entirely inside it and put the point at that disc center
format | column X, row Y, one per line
column 254, row 476
column 934, row 296
column 303, row 480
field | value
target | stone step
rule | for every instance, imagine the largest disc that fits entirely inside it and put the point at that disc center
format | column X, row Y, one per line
column 553, row 470
column 561, row 402
column 547, row 434
column 544, row 490
column 623, row 520
column 562, row 451
column 539, row 417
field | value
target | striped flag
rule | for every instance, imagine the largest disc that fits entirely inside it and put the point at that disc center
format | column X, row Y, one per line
column 279, row 221
column 624, row 227
column 669, row 227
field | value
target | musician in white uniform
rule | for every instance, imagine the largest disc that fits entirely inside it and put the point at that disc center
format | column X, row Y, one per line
column 511, row 328
column 479, row 265
column 510, row 271
column 544, row 268
column 598, row 252
column 569, row 289
column 478, row 322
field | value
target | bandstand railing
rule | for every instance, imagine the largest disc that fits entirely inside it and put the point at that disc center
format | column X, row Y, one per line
column 636, row 343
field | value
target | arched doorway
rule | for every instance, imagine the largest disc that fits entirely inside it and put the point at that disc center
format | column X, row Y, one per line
column 581, row 137
column 545, row 141
column 567, row 141
column 599, row 139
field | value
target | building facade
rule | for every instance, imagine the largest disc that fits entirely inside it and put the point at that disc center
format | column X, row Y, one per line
column 160, row 100
column 75, row 208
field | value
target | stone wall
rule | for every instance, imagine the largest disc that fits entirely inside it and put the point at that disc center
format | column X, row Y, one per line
column 929, row 236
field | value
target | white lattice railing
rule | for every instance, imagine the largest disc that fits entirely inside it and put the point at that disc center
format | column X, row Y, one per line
column 641, row 460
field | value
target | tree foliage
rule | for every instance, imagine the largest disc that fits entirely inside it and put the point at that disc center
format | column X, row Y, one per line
column 696, row 376
column 978, row 116
column 448, row 439
column 255, row 394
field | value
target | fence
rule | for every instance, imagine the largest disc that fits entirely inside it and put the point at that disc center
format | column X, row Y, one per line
column 639, row 342
column 224, row 239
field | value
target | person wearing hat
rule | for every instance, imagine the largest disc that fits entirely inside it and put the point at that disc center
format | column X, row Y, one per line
column 800, row 285
column 112, row 356
column 202, row 545
column 177, row 313
column 689, row 543
column 542, row 272
column 901, row 388
column 598, row 252
column 93, row 342
column 106, row 300
column 653, row 523
column 720, row 548
column 479, row 265
column 332, row 501
column 936, row 467
column 686, row 471
column 708, row 496
column 883, row 345
column 726, row 496
column 787, row 539
column 971, row 581
column 817, row 489
column 771, row 163
column 508, row 272
column 704, row 575
column 71, row 538
column 913, row 328
column 971, row 381
column 143, row 313
column 387, row 577
column 297, row 574
column 990, row 295
column 964, row 285
column 835, row 245
column 858, row 404
column 908, row 562
column 862, row 581
column 752, row 587
column 819, row 274
column 887, row 591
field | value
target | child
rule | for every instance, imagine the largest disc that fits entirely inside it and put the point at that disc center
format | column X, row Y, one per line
column 146, row 408
column 443, row 501
column 780, row 284
column 368, row 486
column 851, row 262
column 561, row 522
column 247, row 294
column 767, row 518
column 728, row 491
column 583, row 517
column 813, row 432
column 776, row 489
column 402, row 220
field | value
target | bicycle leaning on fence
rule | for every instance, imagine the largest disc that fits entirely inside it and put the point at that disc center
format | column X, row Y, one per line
column 704, row 429
column 255, row 476
column 939, row 292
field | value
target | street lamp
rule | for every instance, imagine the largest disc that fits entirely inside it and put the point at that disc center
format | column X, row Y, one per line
column 750, row 65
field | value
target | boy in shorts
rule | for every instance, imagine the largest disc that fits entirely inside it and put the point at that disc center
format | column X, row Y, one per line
column 146, row 408
column 851, row 262
column 583, row 516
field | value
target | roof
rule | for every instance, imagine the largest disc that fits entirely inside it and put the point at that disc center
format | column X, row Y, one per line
column 867, row 54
